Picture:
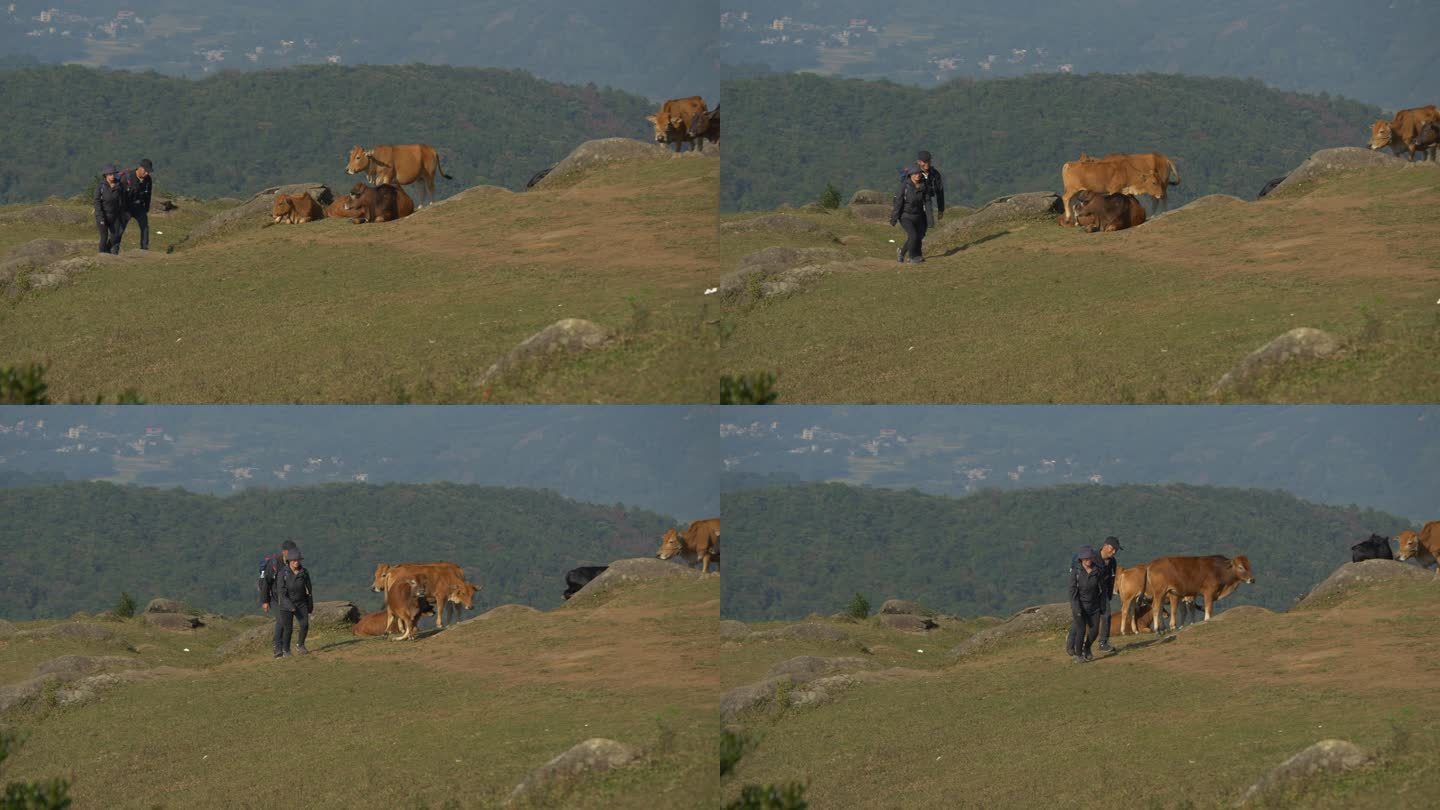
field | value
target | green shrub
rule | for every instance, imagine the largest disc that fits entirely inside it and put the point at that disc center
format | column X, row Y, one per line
column 23, row 386
column 830, row 198
column 748, row 389
column 51, row 795
column 732, row 747
column 859, row 607
column 770, row 797
column 125, row 608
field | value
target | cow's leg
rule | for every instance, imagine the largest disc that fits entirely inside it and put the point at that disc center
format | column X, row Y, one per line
column 1175, row 618
column 1065, row 203
column 1127, row 619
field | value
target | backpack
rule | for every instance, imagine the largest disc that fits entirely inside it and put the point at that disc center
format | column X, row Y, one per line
column 269, row 569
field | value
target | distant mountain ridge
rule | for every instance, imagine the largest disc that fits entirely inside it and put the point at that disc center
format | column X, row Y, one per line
column 1382, row 53
column 807, row 548
column 999, row 137
column 236, row 133
column 74, row 547
column 558, row 40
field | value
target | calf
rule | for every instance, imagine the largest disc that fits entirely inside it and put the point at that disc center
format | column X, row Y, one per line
column 293, row 209
column 379, row 203
column 1110, row 212
column 577, row 578
column 698, row 543
column 1376, row 548
column 403, row 607
column 1212, row 577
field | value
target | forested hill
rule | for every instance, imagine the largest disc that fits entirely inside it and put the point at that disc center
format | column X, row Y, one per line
column 809, row 548
column 74, row 547
column 236, row 133
column 791, row 134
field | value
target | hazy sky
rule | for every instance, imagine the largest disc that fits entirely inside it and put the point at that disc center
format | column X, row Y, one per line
column 660, row 458
column 1386, row 457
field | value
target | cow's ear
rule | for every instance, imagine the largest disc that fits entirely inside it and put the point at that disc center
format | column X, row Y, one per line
column 650, row 118
column 369, row 153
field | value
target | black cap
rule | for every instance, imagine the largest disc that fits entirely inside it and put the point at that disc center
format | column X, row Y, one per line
column 925, row 156
column 1112, row 540
column 147, row 165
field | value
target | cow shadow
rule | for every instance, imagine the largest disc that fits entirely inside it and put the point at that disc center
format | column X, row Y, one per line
column 1168, row 637
column 982, row 240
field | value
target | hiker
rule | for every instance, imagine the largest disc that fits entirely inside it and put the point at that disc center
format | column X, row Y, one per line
column 1071, row 645
column 1085, row 595
column 1108, row 566
column 270, row 569
column 110, row 210
column 293, row 600
column 934, row 188
column 909, row 211
column 137, row 185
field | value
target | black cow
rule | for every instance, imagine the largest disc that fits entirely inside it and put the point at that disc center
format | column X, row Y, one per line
column 705, row 126
column 1376, row 548
column 1270, row 186
column 1427, row 139
column 538, row 176
column 577, row 578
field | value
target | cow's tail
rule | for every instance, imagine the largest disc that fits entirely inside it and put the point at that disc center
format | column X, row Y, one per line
column 439, row 170
column 1173, row 170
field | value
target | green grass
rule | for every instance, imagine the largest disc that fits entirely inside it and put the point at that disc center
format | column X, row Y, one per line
column 462, row 716
column 413, row 311
column 1189, row 723
column 1030, row 312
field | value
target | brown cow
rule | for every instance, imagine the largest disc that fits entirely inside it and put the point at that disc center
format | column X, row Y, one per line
column 1424, row 547
column 701, row 541
column 293, row 209
column 705, row 126
column 400, row 164
column 376, row 624
column 1109, row 212
column 340, row 207
column 1210, row 577
column 1117, row 174
column 379, row 203
column 1129, row 585
column 403, row 606
column 1401, row 133
column 672, row 123
column 444, row 582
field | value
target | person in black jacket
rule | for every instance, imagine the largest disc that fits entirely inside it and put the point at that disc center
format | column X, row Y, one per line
column 1107, row 565
column 137, row 185
column 934, row 188
column 909, row 211
column 110, row 210
column 294, row 599
column 1085, row 596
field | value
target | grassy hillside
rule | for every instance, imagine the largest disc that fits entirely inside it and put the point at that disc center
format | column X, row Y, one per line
column 994, row 553
column 238, row 132
column 999, row 137
column 1025, row 311
column 1191, row 722
column 76, row 546
column 414, row 310
column 456, row 719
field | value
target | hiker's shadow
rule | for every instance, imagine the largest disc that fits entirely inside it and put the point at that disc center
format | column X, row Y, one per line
column 982, row 240
column 1150, row 642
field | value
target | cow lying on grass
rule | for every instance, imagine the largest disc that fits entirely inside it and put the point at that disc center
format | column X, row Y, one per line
column 293, row 209
column 379, row 203
column 577, row 578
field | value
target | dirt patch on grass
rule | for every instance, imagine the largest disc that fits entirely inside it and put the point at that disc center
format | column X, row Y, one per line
column 1335, row 649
